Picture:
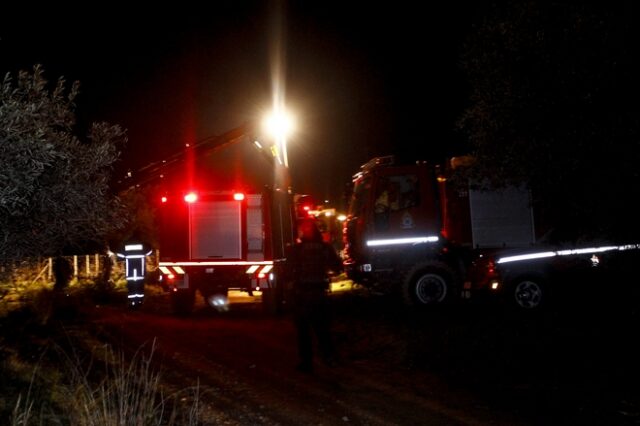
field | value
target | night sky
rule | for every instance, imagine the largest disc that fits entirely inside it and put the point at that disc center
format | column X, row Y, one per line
column 363, row 80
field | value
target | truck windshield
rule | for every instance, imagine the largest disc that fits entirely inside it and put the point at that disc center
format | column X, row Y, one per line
column 361, row 192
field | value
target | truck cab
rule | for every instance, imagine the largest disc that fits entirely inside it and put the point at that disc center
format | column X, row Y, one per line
column 393, row 235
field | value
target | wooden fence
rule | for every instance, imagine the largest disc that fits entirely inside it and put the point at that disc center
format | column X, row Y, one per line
column 83, row 267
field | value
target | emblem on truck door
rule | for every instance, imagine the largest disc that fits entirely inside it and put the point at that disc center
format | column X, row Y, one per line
column 407, row 221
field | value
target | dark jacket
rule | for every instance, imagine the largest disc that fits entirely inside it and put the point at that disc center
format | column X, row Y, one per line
column 311, row 261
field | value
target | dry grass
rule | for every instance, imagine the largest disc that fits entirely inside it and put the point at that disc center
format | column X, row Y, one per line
column 128, row 393
column 53, row 371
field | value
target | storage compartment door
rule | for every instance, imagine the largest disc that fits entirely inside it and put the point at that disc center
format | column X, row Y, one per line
column 216, row 230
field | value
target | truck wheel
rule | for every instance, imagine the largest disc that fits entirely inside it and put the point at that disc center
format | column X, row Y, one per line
column 182, row 301
column 428, row 284
column 529, row 293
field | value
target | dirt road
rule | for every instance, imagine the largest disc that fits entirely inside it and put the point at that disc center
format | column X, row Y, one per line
column 395, row 368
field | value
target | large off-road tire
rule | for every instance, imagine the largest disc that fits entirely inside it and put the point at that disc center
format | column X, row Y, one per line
column 428, row 284
column 183, row 301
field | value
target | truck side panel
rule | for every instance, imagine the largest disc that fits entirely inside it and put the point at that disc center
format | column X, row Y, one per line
column 173, row 229
column 501, row 219
column 255, row 220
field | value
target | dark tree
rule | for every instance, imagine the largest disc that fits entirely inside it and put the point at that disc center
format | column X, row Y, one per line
column 54, row 186
column 555, row 106
column 139, row 205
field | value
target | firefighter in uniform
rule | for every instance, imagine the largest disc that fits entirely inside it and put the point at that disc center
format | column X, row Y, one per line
column 135, row 257
column 311, row 261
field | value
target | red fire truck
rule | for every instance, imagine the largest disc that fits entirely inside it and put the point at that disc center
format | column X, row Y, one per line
column 409, row 232
column 223, row 221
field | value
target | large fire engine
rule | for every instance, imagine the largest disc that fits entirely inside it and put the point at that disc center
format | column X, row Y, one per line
column 409, row 232
column 224, row 221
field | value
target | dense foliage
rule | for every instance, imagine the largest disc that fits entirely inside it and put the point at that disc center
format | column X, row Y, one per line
column 554, row 105
column 54, row 186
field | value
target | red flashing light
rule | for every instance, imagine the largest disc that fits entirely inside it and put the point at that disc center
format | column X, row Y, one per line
column 305, row 211
column 164, row 199
column 491, row 267
column 191, row 197
column 305, row 206
column 238, row 196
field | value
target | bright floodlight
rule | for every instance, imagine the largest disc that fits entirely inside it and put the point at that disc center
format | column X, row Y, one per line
column 279, row 124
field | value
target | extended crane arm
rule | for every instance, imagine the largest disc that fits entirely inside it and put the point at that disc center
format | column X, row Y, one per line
column 204, row 148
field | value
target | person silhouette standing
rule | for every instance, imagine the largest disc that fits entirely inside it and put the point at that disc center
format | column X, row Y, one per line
column 312, row 261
